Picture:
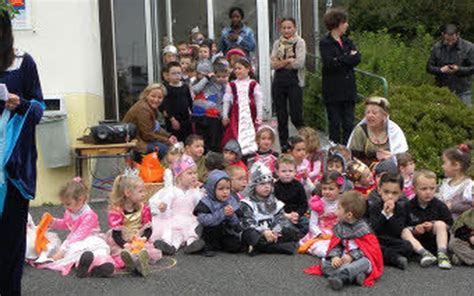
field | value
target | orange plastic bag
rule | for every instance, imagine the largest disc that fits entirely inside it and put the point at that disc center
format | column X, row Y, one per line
column 41, row 240
column 151, row 170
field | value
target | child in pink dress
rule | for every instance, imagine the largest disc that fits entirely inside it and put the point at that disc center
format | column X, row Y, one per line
column 313, row 151
column 297, row 149
column 172, row 210
column 323, row 216
column 83, row 248
column 130, row 226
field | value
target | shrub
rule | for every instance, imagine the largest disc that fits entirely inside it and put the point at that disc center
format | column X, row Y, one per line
column 433, row 119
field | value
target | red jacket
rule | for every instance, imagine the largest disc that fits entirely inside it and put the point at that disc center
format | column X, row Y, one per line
column 369, row 245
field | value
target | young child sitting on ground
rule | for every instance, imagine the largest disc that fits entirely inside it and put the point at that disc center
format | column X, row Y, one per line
column 266, row 229
column 462, row 245
column 219, row 214
column 314, row 153
column 456, row 191
column 297, row 149
column 406, row 167
column 233, row 154
column 323, row 215
column 194, row 147
column 388, row 214
column 354, row 254
column 361, row 176
column 238, row 181
column 336, row 162
column 429, row 222
column 129, row 220
column 265, row 140
column 291, row 193
column 172, row 210
column 83, row 247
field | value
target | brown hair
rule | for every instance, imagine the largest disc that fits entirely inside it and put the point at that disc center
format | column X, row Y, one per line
column 423, row 173
column 265, row 129
column 334, row 17
column 7, row 54
column 74, row 189
column 285, row 159
column 353, row 202
column 460, row 154
column 403, row 159
column 311, row 138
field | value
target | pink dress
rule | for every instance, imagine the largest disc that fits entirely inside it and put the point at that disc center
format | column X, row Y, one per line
column 83, row 236
column 130, row 225
column 177, row 225
column 322, row 221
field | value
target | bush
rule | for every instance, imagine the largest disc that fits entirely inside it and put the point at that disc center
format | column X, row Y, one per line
column 314, row 109
column 433, row 119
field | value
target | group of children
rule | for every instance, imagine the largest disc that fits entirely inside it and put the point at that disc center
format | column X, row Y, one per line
column 323, row 203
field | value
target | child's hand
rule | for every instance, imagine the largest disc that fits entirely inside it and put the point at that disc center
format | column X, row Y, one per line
column 449, row 204
column 162, row 207
column 58, row 256
column 419, row 229
column 270, row 236
column 346, row 259
column 228, row 211
column 388, row 207
column 225, row 121
column 127, row 246
column 471, row 239
column 336, row 262
column 258, row 122
column 173, row 140
column 428, row 226
column 175, row 123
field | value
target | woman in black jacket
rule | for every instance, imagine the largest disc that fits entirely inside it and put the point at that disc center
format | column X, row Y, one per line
column 339, row 56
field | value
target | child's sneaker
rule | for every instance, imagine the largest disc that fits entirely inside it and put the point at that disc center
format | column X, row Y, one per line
column 103, row 270
column 127, row 259
column 142, row 264
column 427, row 259
column 164, row 247
column 336, row 283
column 194, row 247
column 402, row 263
column 443, row 261
column 360, row 278
column 84, row 263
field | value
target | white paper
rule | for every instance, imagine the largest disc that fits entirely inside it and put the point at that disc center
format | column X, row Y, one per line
column 3, row 92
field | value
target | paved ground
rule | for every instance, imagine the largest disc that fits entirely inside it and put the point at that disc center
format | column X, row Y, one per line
column 239, row 275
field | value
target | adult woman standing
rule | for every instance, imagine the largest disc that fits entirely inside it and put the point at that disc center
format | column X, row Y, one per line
column 339, row 57
column 237, row 34
column 144, row 115
column 288, row 59
column 20, row 113
column 376, row 137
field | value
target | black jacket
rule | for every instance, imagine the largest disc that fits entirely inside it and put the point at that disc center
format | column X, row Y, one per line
column 436, row 210
column 293, row 196
column 339, row 83
column 382, row 226
column 462, row 55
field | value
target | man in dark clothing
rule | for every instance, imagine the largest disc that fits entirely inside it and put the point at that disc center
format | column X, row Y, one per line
column 452, row 62
column 387, row 215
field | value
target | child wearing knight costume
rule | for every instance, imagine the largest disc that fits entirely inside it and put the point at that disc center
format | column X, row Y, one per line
column 129, row 219
column 83, row 248
column 354, row 254
column 243, row 108
column 172, row 210
column 266, row 229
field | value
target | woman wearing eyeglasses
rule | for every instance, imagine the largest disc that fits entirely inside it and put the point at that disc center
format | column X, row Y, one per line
column 376, row 137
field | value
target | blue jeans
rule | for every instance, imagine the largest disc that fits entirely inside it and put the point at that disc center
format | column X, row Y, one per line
column 466, row 97
column 162, row 148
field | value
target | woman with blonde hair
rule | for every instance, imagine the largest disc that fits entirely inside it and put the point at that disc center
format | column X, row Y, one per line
column 143, row 114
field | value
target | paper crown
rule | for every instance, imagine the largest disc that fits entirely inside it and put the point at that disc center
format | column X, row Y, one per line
column 184, row 163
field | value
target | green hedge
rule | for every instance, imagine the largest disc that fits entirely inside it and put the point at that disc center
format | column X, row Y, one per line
column 433, row 119
column 314, row 109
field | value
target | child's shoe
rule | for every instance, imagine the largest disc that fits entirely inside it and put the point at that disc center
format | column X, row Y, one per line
column 103, row 270
column 401, row 263
column 142, row 265
column 427, row 259
column 84, row 263
column 336, row 283
column 360, row 278
column 194, row 247
column 127, row 258
column 456, row 260
column 443, row 261
column 165, row 248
